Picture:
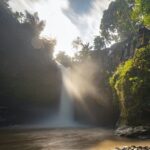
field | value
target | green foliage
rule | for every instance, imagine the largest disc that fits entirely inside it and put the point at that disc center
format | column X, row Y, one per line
column 34, row 23
column 99, row 43
column 29, row 79
column 63, row 58
column 131, row 83
column 116, row 23
column 84, row 53
column 84, row 50
column 141, row 12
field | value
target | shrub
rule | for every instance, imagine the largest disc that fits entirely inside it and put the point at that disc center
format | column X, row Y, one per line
column 131, row 84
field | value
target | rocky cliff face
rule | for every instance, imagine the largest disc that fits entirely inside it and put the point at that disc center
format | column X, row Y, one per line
column 124, row 50
column 130, row 83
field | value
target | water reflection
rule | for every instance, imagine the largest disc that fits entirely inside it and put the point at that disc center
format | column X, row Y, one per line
column 56, row 139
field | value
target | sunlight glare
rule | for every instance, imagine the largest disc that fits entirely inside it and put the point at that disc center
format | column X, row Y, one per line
column 80, row 84
column 57, row 24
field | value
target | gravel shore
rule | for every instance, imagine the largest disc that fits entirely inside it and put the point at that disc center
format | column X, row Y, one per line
column 133, row 148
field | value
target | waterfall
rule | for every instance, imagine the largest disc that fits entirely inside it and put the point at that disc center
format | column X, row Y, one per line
column 65, row 115
column 66, row 105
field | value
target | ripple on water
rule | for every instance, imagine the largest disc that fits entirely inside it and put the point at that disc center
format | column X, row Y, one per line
column 58, row 139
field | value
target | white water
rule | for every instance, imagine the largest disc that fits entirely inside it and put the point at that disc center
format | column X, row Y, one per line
column 66, row 106
column 65, row 115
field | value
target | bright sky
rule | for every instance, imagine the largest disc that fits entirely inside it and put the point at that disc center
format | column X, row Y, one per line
column 66, row 19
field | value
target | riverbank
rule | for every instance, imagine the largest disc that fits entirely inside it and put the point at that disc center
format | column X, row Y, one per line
column 140, row 132
column 121, row 144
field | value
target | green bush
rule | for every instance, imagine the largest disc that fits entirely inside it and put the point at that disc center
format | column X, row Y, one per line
column 131, row 84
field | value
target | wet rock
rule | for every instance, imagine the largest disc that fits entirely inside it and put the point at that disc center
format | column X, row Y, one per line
column 142, row 132
column 133, row 148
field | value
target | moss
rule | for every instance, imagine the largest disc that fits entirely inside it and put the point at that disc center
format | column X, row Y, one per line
column 131, row 83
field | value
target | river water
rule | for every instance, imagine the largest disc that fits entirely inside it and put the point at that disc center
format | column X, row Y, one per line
column 63, row 139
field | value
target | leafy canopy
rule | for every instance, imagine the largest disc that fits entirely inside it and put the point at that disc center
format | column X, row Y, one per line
column 141, row 12
column 116, row 23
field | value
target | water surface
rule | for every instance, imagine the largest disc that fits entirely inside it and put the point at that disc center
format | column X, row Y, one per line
column 62, row 139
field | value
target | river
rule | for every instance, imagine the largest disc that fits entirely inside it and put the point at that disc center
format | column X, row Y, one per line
column 63, row 139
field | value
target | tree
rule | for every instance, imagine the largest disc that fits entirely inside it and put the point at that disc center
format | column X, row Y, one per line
column 116, row 23
column 63, row 58
column 84, row 50
column 4, row 3
column 33, row 23
column 99, row 43
column 141, row 12
column 131, row 83
column 28, row 74
column 77, row 43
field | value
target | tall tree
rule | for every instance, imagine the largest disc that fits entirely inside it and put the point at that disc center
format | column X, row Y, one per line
column 84, row 50
column 116, row 23
column 33, row 22
column 99, row 43
column 63, row 58
column 28, row 73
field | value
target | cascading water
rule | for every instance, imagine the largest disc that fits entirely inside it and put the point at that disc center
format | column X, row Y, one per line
column 64, row 117
column 66, row 106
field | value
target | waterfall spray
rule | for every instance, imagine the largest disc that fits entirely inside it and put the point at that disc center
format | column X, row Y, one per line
column 65, row 115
